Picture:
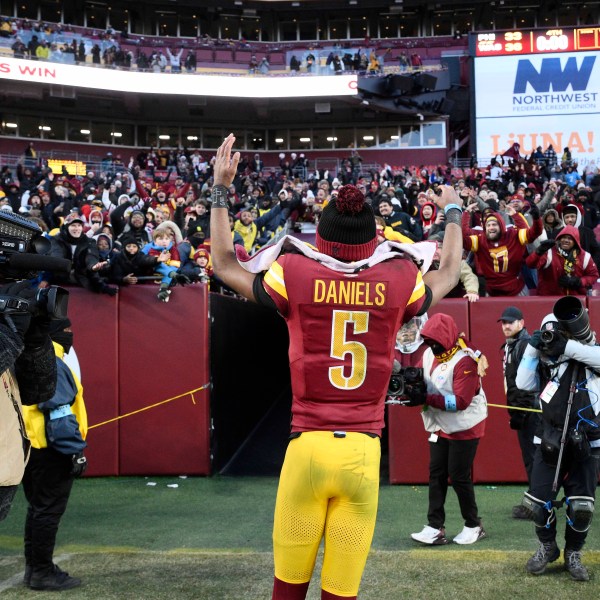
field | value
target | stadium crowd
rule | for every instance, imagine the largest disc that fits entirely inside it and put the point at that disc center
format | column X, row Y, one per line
column 530, row 224
column 57, row 42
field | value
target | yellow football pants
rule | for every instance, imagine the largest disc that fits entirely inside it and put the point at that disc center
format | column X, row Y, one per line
column 329, row 486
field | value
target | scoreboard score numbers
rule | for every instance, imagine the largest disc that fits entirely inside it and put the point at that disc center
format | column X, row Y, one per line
column 536, row 41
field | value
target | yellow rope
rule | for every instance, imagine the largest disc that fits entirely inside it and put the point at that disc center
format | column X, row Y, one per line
column 135, row 412
column 537, row 410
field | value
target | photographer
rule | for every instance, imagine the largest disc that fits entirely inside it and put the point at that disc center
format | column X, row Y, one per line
column 57, row 429
column 28, row 372
column 561, row 363
column 454, row 414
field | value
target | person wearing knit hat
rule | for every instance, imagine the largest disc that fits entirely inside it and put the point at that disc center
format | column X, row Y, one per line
column 71, row 243
column 343, row 303
column 346, row 228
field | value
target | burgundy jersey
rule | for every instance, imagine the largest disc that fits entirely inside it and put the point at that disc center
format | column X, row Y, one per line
column 500, row 262
column 342, row 334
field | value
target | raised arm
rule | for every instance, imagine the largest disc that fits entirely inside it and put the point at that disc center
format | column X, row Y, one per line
column 225, row 263
column 443, row 280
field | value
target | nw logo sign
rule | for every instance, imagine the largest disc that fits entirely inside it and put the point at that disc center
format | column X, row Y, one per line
column 552, row 76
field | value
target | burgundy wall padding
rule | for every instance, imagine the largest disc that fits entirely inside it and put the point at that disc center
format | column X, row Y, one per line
column 499, row 456
column 95, row 325
column 408, row 448
column 163, row 350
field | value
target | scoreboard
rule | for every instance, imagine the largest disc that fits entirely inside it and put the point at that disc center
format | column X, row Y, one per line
column 535, row 41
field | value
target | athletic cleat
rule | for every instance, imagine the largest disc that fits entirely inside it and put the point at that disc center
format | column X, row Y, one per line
column 470, row 535
column 573, row 564
column 431, row 536
column 521, row 512
column 163, row 295
column 547, row 552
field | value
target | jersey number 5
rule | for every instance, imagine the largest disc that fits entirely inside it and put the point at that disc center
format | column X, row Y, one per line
column 340, row 346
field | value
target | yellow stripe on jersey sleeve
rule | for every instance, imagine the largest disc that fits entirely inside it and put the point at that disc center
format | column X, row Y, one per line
column 474, row 243
column 419, row 290
column 523, row 237
column 275, row 279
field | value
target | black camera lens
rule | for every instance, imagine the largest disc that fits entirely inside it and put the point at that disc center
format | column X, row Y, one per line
column 547, row 336
column 396, row 385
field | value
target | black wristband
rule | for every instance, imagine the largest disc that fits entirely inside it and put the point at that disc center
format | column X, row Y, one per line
column 454, row 215
column 218, row 197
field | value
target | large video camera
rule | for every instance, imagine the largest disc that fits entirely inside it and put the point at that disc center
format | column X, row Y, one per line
column 23, row 251
column 406, row 386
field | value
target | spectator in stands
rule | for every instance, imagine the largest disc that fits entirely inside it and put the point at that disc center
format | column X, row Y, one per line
column 572, row 215
column 81, row 52
column 400, row 221
column 190, row 62
column 374, row 66
column 310, row 62
column 431, row 221
column 32, row 47
column 550, row 158
column 198, row 219
column 403, row 62
column 19, row 48
column 294, row 64
column 162, row 248
column 72, row 244
column 95, row 52
column 131, row 263
column 500, row 251
column 264, row 66
column 175, row 60
column 250, row 228
column 253, row 65
column 552, row 223
column 133, row 223
column 203, row 263
column 563, row 267
column 567, row 158
column 337, row 65
column 415, row 61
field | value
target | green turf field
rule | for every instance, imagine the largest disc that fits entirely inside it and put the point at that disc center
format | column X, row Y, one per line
column 210, row 539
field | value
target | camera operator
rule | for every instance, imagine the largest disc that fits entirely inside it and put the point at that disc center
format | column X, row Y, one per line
column 561, row 363
column 28, row 372
column 454, row 414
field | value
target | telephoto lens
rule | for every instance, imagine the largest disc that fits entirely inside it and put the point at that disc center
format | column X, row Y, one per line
column 573, row 318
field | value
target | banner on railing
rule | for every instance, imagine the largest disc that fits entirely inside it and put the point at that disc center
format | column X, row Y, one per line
column 240, row 86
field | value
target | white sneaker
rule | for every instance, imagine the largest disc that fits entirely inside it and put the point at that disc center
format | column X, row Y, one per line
column 431, row 536
column 469, row 535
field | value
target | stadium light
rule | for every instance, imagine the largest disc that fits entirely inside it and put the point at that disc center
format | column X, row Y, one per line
column 164, row 137
column 10, row 125
column 305, row 139
column 192, row 138
column 85, row 131
column 368, row 138
column 44, row 128
column 116, row 134
column 279, row 140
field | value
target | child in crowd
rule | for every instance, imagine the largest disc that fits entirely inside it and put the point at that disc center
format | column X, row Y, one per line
column 162, row 246
column 204, row 270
